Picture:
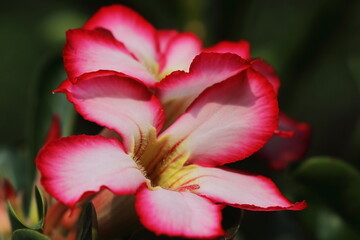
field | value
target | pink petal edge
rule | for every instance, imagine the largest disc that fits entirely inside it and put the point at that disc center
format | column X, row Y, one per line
column 179, row 53
column 243, row 190
column 75, row 167
column 240, row 48
column 92, row 50
column 267, row 71
column 181, row 214
column 164, row 37
column 128, row 27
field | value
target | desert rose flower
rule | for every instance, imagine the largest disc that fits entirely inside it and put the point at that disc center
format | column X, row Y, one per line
column 175, row 172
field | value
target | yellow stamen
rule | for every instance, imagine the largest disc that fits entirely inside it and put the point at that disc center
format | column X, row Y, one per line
column 164, row 164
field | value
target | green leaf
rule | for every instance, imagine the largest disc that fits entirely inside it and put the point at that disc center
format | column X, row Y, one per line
column 335, row 182
column 88, row 223
column 323, row 222
column 15, row 220
column 18, row 223
column 41, row 208
column 27, row 234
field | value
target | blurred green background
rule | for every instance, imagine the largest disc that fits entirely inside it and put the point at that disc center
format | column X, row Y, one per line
column 313, row 45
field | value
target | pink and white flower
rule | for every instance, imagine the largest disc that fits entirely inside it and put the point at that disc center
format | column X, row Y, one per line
column 175, row 171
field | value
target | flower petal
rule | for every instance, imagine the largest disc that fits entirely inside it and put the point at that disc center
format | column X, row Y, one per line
column 280, row 151
column 118, row 102
column 267, row 71
column 54, row 131
column 179, row 89
column 179, row 53
column 242, row 190
column 164, row 37
column 182, row 214
column 228, row 122
column 89, row 51
column 128, row 27
column 241, row 48
column 74, row 167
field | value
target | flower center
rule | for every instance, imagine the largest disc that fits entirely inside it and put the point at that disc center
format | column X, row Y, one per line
column 153, row 68
column 164, row 164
